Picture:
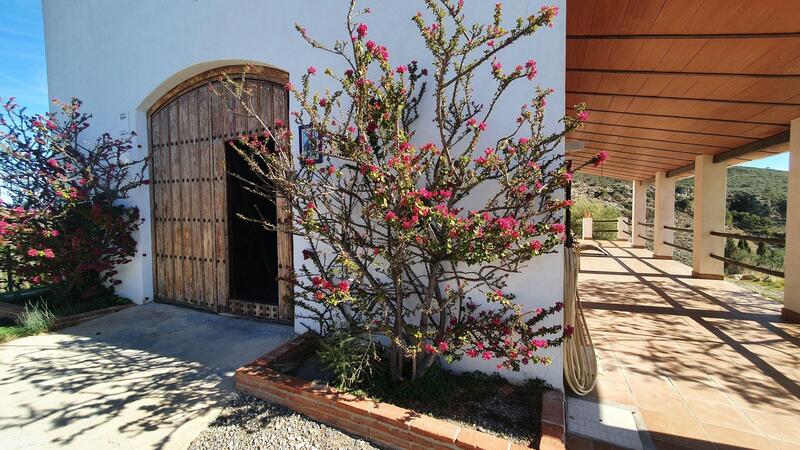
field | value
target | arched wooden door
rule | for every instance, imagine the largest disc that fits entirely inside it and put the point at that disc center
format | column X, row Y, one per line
column 189, row 130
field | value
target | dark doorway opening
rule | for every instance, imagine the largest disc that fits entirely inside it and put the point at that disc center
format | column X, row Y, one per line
column 253, row 250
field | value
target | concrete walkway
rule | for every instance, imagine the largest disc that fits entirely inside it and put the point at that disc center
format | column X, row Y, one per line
column 703, row 364
column 150, row 376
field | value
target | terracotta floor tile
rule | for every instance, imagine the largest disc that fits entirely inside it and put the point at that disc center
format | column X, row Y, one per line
column 784, row 427
column 784, row 445
column 703, row 361
column 728, row 438
column 721, row 414
column 681, row 430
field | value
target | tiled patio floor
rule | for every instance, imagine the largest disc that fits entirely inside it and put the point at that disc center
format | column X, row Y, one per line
column 706, row 363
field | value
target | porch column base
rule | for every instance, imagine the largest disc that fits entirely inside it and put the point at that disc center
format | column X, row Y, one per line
column 707, row 276
column 790, row 316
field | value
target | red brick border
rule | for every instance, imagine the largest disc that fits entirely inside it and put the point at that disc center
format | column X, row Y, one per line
column 382, row 423
column 75, row 319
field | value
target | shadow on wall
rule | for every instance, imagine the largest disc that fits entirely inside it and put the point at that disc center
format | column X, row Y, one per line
column 143, row 378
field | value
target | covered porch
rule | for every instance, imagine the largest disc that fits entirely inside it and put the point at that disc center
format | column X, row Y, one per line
column 700, row 363
column 686, row 89
column 678, row 89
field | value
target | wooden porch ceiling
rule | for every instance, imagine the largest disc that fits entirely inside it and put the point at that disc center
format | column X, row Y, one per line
column 666, row 80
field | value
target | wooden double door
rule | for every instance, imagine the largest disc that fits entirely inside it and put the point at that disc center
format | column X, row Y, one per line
column 192, row 129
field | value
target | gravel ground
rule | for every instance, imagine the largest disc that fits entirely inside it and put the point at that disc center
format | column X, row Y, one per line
column 251, row 423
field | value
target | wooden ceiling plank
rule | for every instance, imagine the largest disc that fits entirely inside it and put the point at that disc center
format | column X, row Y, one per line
column 583, row 94
column 681, row 158
column 791, row 76
column 716, row 147
column 671, row 150
column 684, row 131
column 633, row 156
column 690, row 118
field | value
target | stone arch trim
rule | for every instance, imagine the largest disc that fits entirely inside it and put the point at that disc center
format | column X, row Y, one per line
column 254, row 72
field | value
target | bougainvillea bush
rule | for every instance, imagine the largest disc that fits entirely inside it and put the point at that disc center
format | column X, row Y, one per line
column 60, row 217
column 410, row 240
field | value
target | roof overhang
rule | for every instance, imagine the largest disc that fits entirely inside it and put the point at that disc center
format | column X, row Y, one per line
column 665, row 81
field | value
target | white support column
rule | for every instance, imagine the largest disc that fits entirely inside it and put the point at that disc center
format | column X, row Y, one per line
column 664, row 216
column 638, row 213
column 622, row 229
column 791, row 261
column 587, row 228
column 710, row 191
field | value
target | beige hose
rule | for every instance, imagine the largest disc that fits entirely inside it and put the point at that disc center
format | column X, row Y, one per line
column 580, row 362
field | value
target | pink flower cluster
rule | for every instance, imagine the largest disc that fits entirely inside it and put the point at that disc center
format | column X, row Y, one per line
column 600, row 158
column 46, row 253
column 378, row 51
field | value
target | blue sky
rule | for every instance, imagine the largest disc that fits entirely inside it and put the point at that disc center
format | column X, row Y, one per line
column 23, row 73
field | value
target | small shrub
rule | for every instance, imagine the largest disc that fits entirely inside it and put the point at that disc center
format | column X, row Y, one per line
column 599, row 210
column 36, row 319
column 350, row 356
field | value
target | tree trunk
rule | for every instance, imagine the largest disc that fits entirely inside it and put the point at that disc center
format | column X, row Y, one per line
column 396, row 351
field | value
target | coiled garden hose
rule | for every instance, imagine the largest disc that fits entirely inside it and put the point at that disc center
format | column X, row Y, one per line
column 580, row 361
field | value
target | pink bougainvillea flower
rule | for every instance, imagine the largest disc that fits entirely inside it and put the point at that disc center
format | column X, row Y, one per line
column 390, row 215
column 279, row 123
column 323, row 102
column 444, row 346
column 361, row 29
column 487, row 355
column 311, row 70
column 288, row 86
column 536, row 245
column 426, row 194
column 401, row 69
column 472, row 353
column 601, row 158
column 319, row 295
column 532, row 71
column 32, row 252
column 52, row 162
column 482, row 126
column 429, row 348
column 583, row 116
column 344, row 286
column 558, row 227
column 539, row 343
column 410, row 222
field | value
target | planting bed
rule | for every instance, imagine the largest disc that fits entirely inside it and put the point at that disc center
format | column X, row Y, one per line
column 383, row 423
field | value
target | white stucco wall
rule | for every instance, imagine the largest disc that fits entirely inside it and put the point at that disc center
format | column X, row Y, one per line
column 120, row 56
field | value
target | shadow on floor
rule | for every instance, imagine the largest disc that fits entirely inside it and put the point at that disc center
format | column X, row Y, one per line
column 146, row 377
